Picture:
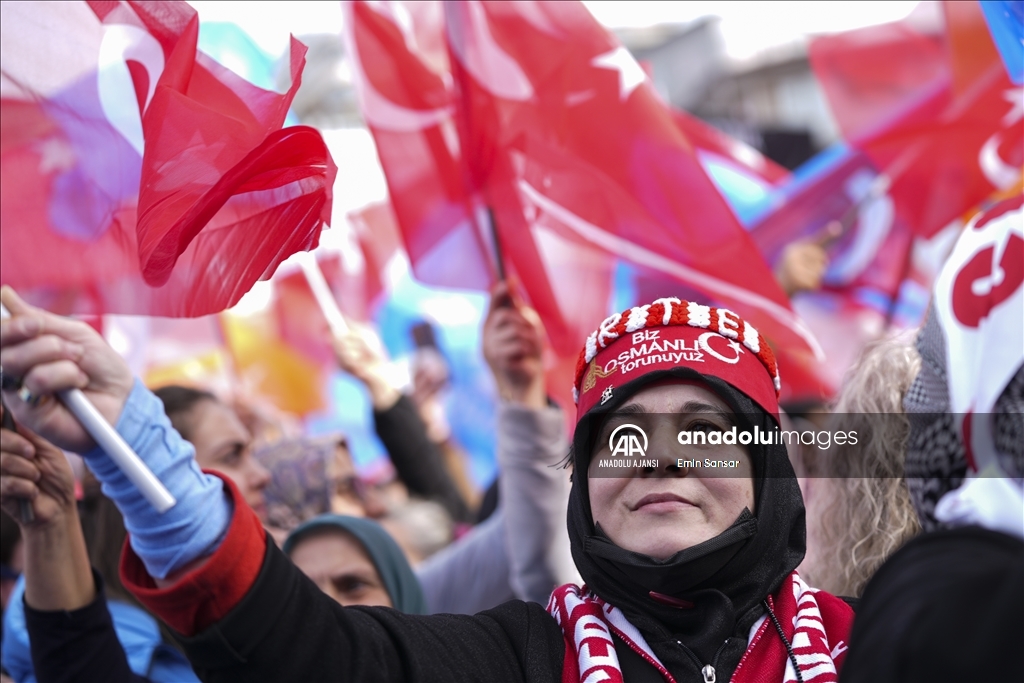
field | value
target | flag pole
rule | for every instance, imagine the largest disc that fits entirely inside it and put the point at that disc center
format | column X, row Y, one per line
column 499, row 256
column 107, row 438
column 322, row 293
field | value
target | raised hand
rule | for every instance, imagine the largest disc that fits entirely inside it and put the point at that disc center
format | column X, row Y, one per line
column 41, row 354
column 513, row 345
column 57, row 575
column 33, row 469
column 358, row 356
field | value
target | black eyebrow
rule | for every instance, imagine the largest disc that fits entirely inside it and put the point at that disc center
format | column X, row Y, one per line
column 697, row 407
column 688, row 407
column 632, row 409
column 701, row 407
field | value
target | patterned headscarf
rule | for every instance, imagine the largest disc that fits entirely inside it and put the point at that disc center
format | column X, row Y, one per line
column 301, row 486
column 936, row 461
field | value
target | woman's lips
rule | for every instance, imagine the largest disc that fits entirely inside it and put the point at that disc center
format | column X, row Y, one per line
column 655, row 502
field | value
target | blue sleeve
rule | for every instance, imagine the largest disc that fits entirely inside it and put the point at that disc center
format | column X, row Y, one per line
column 15, row 654
column 197, row 524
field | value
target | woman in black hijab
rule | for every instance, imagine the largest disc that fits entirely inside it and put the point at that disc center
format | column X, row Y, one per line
column 701, row 608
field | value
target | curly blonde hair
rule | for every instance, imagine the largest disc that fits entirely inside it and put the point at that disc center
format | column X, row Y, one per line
column 862, row 512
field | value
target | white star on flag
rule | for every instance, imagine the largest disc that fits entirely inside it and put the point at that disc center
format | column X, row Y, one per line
column 630, row 73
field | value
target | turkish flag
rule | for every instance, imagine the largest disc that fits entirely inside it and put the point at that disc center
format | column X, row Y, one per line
column 140, row 176
column 568, row 135
column 936, row 113
column 408, row 107
column 548, row 122
column 872, row 75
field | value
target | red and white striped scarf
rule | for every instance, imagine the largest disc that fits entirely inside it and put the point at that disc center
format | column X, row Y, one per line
column 816, row 624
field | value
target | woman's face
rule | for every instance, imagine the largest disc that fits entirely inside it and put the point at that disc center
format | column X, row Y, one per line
column 658, row 513
column 223, row 444
column 341, row 567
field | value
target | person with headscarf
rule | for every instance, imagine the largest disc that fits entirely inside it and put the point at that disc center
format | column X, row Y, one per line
column 949, row 605
column 688, row 576
column 309, row 477
column 356, row 562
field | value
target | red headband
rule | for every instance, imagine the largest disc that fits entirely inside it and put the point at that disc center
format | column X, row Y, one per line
column 668, row 334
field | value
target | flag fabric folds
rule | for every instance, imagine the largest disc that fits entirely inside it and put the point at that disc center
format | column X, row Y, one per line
column 141, row 176
column 934, row 112
column 543, row 123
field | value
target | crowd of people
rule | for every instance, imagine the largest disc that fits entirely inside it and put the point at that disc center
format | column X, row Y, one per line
column 280, row 562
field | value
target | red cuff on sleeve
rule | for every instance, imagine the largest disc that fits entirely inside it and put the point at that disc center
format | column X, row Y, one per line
column 206, row 594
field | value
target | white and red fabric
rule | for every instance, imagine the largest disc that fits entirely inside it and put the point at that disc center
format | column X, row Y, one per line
column 816, row 624
column 139, row 175
column 672, row 333
column 935, row 111
column 979, row 301
column 979, row 298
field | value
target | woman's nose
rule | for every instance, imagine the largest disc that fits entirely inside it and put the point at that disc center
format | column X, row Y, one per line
column 662, row 458
column 666, row 467
column 258, row 475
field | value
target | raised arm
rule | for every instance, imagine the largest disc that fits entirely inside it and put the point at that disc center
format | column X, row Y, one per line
column 417, row 459
column 534, row 490
column 57, row 572
column 68, row 632
column 48, row 354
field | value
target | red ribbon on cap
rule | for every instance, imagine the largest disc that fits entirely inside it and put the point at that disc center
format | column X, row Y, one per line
column 672, row 333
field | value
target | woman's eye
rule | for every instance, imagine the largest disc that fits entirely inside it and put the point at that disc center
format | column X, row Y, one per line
column 350, row 584
column 703, row 426
column 231, row 459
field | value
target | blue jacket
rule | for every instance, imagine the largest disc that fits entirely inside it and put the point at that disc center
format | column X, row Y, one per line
column 136, row 630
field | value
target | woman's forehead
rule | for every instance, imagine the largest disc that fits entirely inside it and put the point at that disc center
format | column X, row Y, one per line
column 675, row 396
